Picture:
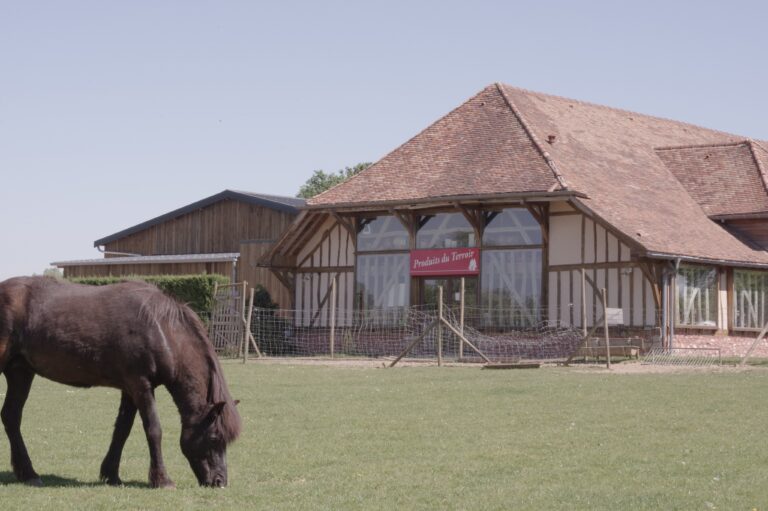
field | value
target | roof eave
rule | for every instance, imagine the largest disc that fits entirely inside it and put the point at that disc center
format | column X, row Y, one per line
column 432, row 201
column 705, row 260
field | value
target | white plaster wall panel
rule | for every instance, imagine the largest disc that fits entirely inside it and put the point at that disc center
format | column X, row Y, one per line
column 601, row 234
column 313, row 241
column 560, row 207
column 552, row 298
column 589, row 241
column 613, row 248
column 626, row 278
column 637, row 297
column 565, row 302
column 613, row 287
column 565, row 239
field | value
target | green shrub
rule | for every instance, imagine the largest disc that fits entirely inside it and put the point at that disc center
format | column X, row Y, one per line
column 194, row 290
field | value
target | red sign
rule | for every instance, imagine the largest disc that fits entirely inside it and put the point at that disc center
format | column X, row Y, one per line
column 445, row 261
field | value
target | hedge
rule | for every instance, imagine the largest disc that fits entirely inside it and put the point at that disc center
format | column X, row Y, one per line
column 194, row 290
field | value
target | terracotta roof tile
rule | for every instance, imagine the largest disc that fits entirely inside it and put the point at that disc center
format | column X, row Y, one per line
column 723, row 179
column 479, row 148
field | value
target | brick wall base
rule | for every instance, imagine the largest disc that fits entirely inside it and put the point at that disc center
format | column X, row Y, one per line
column 730, row 346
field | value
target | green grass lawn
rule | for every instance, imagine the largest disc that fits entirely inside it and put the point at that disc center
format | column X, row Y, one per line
column 427, row 438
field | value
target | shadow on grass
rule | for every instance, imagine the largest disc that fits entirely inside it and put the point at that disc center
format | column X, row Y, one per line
column 54, row 481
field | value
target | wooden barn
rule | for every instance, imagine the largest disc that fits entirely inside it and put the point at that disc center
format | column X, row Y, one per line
column 522, row 193
column 225, row 234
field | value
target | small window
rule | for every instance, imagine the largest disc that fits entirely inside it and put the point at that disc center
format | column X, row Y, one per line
column 446, row 230
column 697, row 296
column 750, row 294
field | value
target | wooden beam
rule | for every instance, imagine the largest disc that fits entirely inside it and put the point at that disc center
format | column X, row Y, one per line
column 345, row 224
column 326, row 269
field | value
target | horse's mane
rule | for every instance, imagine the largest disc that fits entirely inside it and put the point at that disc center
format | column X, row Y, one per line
column 158, row 307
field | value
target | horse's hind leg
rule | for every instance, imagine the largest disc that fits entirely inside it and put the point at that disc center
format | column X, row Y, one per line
column 19, row 378
column 111, row 465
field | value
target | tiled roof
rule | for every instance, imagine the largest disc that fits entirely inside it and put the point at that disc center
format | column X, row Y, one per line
column 507, row 140
column 724, row 179
column 479, row 148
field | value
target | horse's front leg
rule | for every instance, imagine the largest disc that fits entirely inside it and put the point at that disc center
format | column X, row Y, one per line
column 144, row 400
column 110, row 467
column 19, row 378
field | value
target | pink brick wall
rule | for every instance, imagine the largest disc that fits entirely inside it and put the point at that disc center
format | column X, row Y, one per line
column 730, row 346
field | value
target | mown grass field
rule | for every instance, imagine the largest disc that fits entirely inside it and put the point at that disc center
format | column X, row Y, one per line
column 427, row 438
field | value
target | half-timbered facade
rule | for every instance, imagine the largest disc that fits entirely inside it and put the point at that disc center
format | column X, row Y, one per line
column 548, row 201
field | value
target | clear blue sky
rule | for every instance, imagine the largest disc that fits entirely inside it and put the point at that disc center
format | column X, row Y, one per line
column 112, row 113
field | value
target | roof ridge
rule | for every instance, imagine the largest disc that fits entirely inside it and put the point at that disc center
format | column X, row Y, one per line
column 622, row 110
column 547, row 158
column 398, row 147
column 702, row 146
column 760, row 168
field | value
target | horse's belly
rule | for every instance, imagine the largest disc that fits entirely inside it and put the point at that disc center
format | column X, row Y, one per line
column 70, row 367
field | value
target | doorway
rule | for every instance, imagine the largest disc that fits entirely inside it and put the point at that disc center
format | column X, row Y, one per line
column 451, row 291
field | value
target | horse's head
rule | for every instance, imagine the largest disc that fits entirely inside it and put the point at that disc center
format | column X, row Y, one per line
column 205, row 446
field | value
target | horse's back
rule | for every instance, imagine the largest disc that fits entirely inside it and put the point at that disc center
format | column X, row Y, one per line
column 90, row 335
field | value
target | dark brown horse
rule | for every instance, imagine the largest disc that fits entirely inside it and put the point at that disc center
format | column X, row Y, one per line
column 128, row 336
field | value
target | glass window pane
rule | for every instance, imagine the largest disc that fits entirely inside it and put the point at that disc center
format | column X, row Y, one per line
column 511, row 287
column 750, row 290
column 383, row 280
column 515, row 226
column 697, row 296
column 383, row 233
column 446, row 230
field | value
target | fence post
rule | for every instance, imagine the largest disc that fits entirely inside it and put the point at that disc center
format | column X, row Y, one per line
column 584, row 301
column 247, row 331
column 605, row 327
column 333, row 314
column 440, row 326
column 461, row 320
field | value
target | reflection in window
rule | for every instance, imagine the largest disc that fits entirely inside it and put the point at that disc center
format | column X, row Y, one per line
column 511, row 287
column 750, row 290
column 446, row 230
column 514, row 226
column 383, row 280
column 697, row 296
column 382, row 233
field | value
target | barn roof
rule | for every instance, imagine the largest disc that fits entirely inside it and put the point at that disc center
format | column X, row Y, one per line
column 285, row 204
column 154, row 259
column 506, row 140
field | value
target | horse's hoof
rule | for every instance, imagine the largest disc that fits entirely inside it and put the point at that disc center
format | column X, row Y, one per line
column 165, row 483
column 113, row 481
column 35, row 481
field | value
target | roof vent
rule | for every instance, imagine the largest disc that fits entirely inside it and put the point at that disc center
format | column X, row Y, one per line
column 551, row 139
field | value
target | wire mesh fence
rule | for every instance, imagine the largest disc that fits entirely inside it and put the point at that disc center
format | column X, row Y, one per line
column 499, row 335
column 689, row 357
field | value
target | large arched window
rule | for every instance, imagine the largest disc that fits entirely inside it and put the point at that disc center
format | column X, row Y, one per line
column 382, row 233
column 510, row 227
column 446, row 230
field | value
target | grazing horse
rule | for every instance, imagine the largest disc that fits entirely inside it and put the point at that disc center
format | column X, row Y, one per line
column 128, row 336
